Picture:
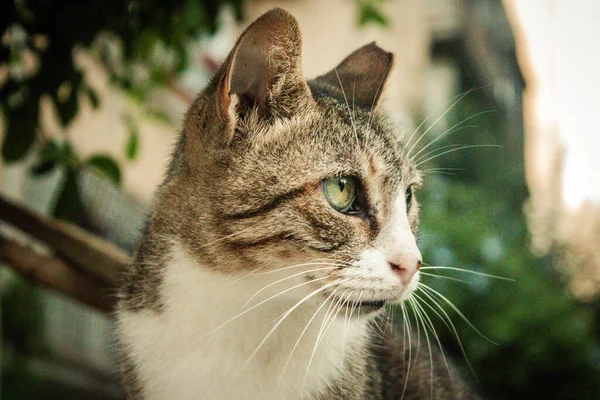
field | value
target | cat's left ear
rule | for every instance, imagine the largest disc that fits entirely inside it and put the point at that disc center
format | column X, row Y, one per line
column 360, row 78
column 264, row 69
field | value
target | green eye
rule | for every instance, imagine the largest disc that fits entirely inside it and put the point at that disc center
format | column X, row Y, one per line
column 340, row 192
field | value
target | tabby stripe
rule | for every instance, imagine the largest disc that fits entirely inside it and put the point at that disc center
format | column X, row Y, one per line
column 265, row 208
column 281, row 237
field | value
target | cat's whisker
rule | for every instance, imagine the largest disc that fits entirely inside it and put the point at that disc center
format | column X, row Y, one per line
column 345, row 331
column 460, row 314
column 419, row 317
column 456, row 149
column 442, row 169
column 378, row 330
column 418, row 334
column 283, row 317
column 426, row 267
column 313, row 262
column 412, row 330
column 356, row 303
column 407, row 331
column 460, row 97
column 348, row 107
column 251, row 273
column 285, row 279
column 439, row 173
column 440, row 149
column 254, row 307
column 455, row 128
column 383, row 77
column 367, row 131
column 344, row 337
column 338, row 306
column 445, row 277
column 302, row 334
column 429, row 323
column 449, row 324
column 444, row 317
column 416, row 160
column 329, row 315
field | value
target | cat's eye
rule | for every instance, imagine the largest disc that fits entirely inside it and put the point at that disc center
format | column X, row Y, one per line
column 340, row 192
column 408, row 196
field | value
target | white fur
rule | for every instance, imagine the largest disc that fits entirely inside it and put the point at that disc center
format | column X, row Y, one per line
column 181, row 355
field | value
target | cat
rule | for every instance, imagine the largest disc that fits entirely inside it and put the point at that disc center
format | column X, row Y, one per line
column 284, row 228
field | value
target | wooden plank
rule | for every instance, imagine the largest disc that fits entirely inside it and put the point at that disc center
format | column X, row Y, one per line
column 80, row 248
column 57, row 274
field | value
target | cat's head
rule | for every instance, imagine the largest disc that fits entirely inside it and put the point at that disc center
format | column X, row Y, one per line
column 306, row 178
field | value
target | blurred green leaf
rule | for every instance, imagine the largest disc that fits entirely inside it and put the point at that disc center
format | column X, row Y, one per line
column 159, row 116
column 67, row 109
column 21, row 127
column 52, row 154
column 131, row 150
column 93, row 96
column 69, row 205
column 51, row 150
column 43, row 167
column 369, row 12
column 67, row 156
column 107, row 166
column 145, row 44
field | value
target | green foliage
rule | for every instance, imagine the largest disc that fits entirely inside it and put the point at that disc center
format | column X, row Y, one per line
column 473, row 219
column 50, row 31
column 106, row 166
column 69, row 205
column 145, row 34
column 132, row 145
column 21, row 322
column 21, row 123
column 131, row 149
column 369, row 12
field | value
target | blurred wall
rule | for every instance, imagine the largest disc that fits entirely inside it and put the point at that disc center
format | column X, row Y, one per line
column 557, row 43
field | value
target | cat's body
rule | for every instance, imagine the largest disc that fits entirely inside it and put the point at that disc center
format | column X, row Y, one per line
column 248, row 284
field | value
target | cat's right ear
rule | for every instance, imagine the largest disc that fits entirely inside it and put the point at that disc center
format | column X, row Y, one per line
column 262, row 74
column 360, row 78
column 264, row 70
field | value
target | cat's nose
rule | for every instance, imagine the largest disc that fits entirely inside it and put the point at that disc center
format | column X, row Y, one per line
column 406, row 268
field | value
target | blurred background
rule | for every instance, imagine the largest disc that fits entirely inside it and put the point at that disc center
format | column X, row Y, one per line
column 502, row 96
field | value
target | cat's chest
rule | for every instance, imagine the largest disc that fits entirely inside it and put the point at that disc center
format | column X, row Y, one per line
column 205, row 346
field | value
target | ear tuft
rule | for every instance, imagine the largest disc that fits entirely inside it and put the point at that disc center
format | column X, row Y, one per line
column 265, row 66
column 360, row 77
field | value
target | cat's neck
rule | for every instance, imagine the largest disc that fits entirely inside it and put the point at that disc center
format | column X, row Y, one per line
column 238, row 333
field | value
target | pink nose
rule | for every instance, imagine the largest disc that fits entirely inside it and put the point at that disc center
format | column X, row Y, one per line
column 406, row 269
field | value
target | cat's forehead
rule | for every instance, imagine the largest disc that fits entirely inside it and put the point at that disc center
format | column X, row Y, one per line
column 332, row 138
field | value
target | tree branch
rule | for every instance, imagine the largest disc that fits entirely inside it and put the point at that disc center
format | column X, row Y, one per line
column 57, row 274
column 87, row 252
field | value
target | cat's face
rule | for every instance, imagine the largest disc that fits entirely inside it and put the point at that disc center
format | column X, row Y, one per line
column 306, row 181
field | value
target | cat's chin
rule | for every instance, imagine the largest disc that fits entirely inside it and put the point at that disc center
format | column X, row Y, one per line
column 355, row 309
column 369, row 307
